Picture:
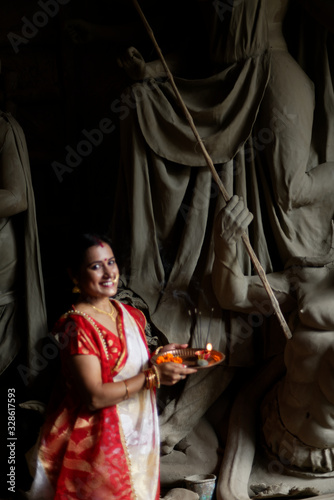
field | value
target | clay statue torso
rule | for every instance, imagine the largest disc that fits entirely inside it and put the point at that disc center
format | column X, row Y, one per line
column 306, row 397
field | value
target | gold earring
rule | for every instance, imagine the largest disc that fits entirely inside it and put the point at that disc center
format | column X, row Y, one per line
column 76, row 288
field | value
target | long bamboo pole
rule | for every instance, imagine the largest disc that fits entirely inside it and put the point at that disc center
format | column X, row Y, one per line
column 259, row 269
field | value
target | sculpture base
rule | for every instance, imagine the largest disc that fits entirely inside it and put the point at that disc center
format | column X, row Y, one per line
column 247, row 473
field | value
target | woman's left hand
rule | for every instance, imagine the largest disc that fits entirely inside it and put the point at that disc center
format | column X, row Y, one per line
column 171, row 373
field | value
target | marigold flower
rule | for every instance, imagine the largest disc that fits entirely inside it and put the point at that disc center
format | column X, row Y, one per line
column 168, row 358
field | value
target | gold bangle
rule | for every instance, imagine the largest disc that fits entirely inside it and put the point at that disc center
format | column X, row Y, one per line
column 157, row 377
column 126, row 391
column 150, row 380
column 158, row 349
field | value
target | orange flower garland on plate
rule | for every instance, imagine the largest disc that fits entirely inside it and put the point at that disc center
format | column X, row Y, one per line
column 167, row 358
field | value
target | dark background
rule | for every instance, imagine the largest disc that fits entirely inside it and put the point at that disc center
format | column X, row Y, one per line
column 56, row 88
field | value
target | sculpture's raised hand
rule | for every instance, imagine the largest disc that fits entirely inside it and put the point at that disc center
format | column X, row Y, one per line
column 233, row 220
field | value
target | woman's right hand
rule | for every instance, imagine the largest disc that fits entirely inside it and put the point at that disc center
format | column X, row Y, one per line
column 171, row 373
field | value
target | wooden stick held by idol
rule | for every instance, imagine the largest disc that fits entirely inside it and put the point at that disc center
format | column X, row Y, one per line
column 245, row 239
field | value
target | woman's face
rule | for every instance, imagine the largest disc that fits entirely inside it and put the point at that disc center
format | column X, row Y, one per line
column 98, row 275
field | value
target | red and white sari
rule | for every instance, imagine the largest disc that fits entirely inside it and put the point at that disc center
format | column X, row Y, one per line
column 108, row 454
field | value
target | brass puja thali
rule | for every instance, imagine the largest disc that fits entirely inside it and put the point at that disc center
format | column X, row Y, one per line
column 192, row 357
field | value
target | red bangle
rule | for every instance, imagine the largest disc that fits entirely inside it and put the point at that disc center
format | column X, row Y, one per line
column 151, row 378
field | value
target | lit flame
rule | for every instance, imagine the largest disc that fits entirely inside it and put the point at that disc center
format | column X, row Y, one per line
column 209, row 347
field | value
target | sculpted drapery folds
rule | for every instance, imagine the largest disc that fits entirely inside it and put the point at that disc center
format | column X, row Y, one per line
column 255, row 114
column 259, row 113
column 22, row 303
column 165, row 189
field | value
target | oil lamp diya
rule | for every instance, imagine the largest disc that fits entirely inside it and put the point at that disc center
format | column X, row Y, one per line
column 203, row 355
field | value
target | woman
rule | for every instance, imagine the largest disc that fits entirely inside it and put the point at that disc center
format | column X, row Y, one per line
column 101, row 440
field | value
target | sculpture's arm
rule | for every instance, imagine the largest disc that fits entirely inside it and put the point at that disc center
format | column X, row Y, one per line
column 13, row 197
column 229, row 283
column 232, row 288
column 137, row 68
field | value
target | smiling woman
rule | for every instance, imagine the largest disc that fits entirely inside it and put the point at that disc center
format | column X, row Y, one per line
column 101, row 435
column 97, row 276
